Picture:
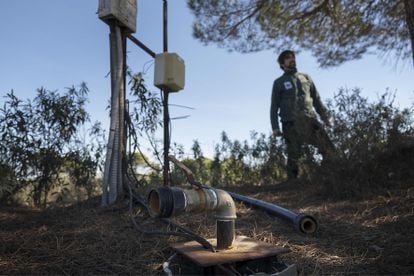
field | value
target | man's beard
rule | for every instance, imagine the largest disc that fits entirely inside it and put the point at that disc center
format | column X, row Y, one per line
column 291, row 69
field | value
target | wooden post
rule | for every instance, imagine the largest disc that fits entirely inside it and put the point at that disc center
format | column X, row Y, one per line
column 166, row 120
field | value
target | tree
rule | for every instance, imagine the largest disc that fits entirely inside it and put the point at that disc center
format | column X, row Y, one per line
column 40, row 138
column 335, row 31
column 374, row 142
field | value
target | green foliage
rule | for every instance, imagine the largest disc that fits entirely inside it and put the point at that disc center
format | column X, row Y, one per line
column 236, row 163
column 143, row 120
column 334, row 31
column 40, row 139
column 146, row 105
column 374, row 150
column 256, row 163
column 142, row 170
column 7, row 181
column 85, row 159
column 375, row 142
column 374, row 147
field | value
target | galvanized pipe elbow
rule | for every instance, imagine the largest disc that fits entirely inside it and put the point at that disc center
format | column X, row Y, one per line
column 172, row 201
column 226, row 208
column 225, row 219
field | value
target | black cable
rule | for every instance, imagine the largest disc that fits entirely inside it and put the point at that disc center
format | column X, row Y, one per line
column 184, row 232
column 151, row 233
column 182, row 106
column 147, row 65
column 206, row 244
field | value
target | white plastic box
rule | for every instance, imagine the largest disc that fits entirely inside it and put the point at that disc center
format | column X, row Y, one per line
column 169, row 72
column 125, row 11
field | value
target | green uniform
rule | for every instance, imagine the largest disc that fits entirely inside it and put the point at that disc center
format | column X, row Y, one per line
column 294, row 99
column 295, row 95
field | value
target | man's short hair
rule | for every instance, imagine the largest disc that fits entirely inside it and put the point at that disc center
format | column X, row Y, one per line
column 283, row 55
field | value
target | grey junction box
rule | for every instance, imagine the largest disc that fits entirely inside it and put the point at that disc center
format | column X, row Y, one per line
column 124, row 11
column 169, row 72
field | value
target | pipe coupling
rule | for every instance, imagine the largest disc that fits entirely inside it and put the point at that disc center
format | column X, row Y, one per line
column 171, row 201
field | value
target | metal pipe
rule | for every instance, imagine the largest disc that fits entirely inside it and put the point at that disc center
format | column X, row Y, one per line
column 166, row 120
column 115, row 177
column 121, row 117
column 141, row 45
column 171, row 201
column 303, row 223
column 225, row 219
column 124, row 112
column 165, row 25
column 166, row 123
column 110, row 178
column 109, row 147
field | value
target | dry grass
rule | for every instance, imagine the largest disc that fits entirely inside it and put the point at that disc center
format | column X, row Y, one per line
column 371, row 236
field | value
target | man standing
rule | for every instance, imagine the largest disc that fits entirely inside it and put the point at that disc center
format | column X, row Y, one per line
column 294, row 99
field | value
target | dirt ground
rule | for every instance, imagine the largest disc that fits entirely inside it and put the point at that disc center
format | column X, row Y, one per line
column 368, row 236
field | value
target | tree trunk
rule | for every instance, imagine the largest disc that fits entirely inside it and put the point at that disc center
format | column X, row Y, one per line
column 409, row 13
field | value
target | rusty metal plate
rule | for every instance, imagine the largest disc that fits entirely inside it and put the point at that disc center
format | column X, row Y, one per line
column 243, row 249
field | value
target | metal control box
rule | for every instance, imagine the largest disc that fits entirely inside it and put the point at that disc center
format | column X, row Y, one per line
column 125, row 11
column 169, row 72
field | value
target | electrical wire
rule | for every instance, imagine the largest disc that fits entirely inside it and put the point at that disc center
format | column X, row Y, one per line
column 150, row 232
column 181, row 231
column 147, row 65
column 182, row 106
column 180, row 117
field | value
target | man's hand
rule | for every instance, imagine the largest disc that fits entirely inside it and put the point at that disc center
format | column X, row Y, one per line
column 277, row 133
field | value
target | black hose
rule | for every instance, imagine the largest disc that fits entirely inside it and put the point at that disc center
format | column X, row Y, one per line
column 303, row 223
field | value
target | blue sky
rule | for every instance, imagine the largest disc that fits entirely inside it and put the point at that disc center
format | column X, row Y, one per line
column 58, row 43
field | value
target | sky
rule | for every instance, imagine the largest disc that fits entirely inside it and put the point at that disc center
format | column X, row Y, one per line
column 60, row 43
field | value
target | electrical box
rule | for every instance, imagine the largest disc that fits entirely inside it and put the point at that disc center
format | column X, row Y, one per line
column 125, row 11
column 169, row 72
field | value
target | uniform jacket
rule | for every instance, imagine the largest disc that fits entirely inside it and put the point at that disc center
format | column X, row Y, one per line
column 293, row 95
